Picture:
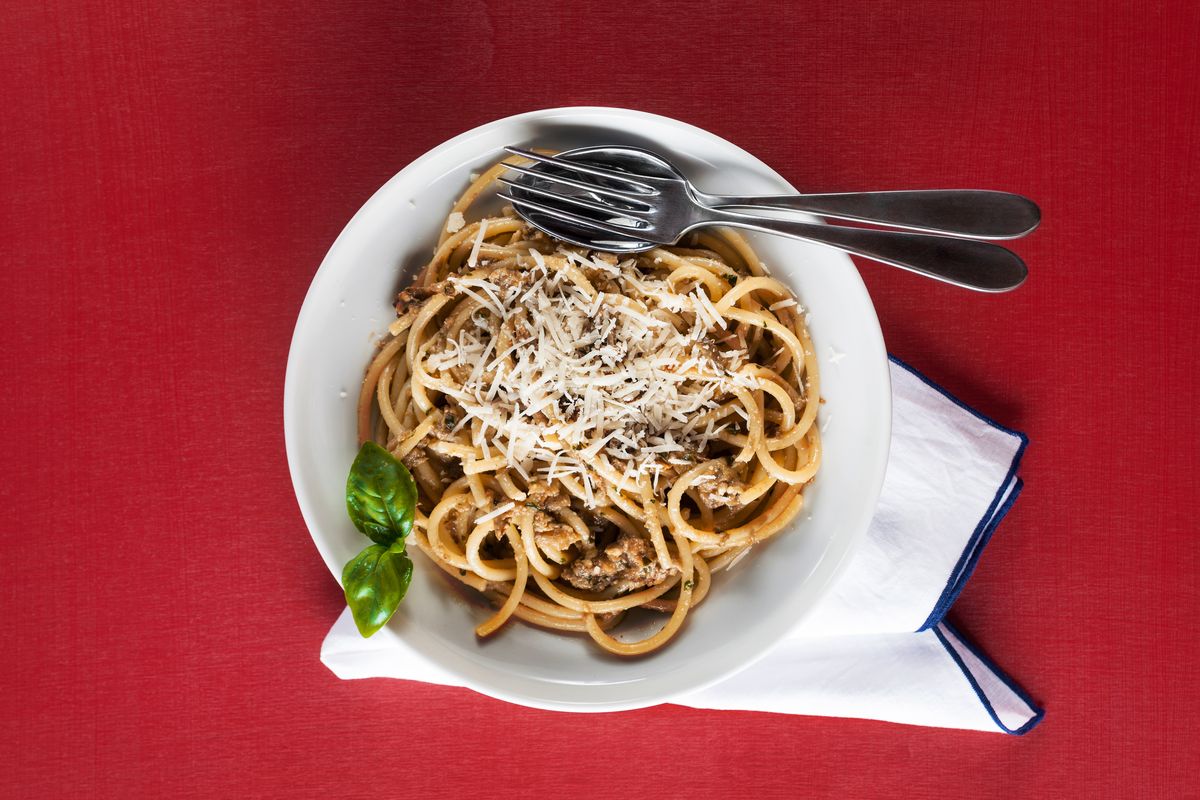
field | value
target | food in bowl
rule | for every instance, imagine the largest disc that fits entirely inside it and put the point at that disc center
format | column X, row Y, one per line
column 581, row 433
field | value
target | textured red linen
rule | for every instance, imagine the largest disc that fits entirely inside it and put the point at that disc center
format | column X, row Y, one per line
column 172, row 174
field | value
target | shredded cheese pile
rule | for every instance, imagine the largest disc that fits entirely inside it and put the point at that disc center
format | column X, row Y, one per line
column 616, row 376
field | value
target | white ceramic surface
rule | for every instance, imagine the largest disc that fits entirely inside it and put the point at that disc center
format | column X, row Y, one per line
column 752, row 606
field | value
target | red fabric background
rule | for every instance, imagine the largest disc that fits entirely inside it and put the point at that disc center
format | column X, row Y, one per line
column 172, row 175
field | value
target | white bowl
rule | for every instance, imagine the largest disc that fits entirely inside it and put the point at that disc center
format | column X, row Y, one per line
column 752, row 606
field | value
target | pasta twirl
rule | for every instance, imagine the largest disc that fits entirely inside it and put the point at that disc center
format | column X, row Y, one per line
column 593, row 433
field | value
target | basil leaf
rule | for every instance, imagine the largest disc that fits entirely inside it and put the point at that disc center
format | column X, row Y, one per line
column 380, row 495
column 375, row 582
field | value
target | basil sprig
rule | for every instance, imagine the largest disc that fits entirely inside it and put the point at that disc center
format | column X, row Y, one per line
column 381, row 499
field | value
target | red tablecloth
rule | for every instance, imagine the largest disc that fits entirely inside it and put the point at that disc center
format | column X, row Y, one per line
column 172, row 174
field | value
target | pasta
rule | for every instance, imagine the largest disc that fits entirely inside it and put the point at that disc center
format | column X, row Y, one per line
column 593, row 433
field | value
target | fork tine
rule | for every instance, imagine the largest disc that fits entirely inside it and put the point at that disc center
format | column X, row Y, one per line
column 575, row 201
column 572, row 166
column 587, row 187
column 575, row 219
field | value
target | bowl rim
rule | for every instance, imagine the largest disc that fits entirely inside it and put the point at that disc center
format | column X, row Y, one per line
column 826, row 571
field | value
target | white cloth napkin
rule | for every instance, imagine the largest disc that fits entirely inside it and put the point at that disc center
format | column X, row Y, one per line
column 877, row 646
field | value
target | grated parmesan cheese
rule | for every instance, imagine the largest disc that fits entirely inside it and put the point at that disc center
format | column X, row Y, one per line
column 479, row 237
column 587, row 378
column 509, row 506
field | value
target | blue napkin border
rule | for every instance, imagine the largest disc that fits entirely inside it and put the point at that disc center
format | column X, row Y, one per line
column 992, row 517
column 1038, row 712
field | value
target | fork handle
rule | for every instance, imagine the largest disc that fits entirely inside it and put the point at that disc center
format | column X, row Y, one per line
column 970, row 264
column 974, row 213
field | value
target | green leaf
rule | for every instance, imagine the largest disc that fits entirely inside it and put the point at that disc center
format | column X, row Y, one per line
column 375, row 582
column 380, row 495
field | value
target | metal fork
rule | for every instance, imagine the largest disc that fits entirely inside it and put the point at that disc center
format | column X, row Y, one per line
column 610, row 209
